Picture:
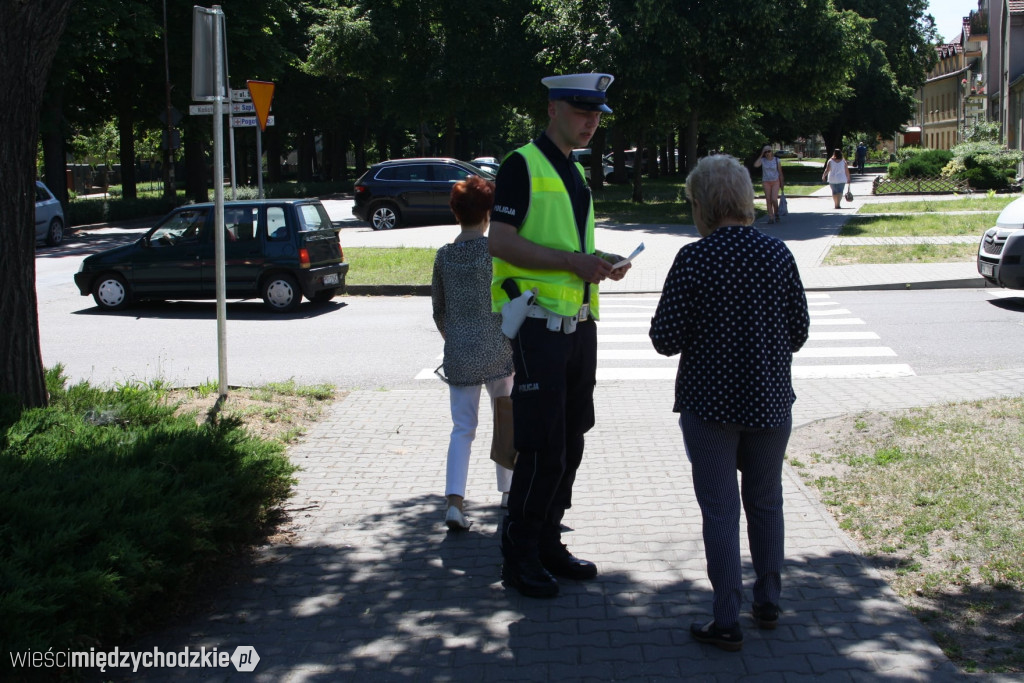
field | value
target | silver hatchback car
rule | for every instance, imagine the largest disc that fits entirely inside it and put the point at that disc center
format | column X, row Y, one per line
column 49, row 217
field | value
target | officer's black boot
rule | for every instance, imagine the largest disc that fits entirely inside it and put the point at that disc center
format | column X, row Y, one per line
column 557, row 559
column 522, row 568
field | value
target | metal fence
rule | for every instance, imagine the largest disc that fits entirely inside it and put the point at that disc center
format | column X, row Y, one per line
column 885, row 185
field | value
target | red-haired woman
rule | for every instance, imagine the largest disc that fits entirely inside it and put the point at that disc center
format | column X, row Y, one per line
column 476, row 353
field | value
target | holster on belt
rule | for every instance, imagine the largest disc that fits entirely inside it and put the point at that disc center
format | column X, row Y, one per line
column 513, row 313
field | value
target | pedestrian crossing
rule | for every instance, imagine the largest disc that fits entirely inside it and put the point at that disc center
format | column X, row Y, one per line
column 838, row 346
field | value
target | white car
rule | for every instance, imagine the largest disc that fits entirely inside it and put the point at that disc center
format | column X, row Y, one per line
column 1002, row 247
column 583, row 156
column 49, row 217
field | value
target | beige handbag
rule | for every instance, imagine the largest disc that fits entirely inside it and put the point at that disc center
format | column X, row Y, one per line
column 503, row 448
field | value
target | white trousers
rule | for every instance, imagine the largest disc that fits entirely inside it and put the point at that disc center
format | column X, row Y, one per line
column 465, row 403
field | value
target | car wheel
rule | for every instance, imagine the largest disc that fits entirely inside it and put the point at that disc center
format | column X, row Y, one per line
column 55, row 233
column 281, row 293
column 324, row 296
column 385, row 216
column 111, row 292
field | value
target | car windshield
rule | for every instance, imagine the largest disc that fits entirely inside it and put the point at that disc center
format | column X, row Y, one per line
column 314, row 217
column 183, row 226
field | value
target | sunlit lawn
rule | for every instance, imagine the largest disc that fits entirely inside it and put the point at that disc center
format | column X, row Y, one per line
column 959, row 203
column 900, row 253
column 918, row 225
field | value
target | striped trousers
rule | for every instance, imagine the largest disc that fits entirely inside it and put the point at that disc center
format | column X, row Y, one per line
column 716, row 451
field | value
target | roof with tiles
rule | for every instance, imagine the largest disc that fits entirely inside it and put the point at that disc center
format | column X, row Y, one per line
column 950, row 49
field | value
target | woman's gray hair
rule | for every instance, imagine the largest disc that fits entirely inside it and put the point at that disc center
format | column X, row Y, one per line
column 722, row 187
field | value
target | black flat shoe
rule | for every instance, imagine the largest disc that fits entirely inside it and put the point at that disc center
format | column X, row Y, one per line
column 766, row 615
column 730, row 639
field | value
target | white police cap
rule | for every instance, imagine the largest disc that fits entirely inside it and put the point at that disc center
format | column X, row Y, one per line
column 583, row 91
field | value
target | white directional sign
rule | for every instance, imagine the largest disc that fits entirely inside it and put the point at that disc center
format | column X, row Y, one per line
column 248, row 121
column 235, row 108
column 241, row 95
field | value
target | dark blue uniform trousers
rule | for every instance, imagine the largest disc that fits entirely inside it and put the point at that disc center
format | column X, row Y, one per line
column 716, row 451
column 553, row 407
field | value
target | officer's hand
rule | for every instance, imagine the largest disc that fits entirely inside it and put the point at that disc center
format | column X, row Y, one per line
column 617, row 273
column 590, row 268
column 620, row 273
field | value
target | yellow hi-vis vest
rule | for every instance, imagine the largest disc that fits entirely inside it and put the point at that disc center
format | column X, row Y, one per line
column 550, row 222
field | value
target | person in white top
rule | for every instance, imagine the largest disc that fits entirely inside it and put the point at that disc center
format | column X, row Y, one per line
column 837, row 175
column 772, row 180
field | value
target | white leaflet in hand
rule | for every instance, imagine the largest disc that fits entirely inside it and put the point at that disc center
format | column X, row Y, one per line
column 629, row 258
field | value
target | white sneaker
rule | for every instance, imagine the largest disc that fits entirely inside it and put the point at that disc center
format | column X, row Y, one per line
column 504, row 500
column 455, row 520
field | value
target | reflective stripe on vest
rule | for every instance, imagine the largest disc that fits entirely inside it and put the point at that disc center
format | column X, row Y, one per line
column 549, row 221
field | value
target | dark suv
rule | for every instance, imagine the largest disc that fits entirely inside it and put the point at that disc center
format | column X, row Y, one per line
column 410, row 191
column 279, row 250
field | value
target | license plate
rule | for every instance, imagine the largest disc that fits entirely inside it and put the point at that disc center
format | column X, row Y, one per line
column 331, row 279
column 988, row 269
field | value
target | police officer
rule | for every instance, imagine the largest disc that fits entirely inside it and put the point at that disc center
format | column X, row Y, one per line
column 542, row 239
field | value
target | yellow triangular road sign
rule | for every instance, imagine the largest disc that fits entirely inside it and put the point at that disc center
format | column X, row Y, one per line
column 262, row 93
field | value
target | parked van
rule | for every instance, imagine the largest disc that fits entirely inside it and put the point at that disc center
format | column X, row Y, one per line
column 1002, row 246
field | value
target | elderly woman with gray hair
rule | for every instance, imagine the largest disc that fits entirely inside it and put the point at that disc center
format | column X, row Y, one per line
column 734, row 308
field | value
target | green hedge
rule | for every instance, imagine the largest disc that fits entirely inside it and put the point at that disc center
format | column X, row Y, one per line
column 986, row 165
column 115, row 209
column 111, row 508
column 90, row 211
column 921, row 163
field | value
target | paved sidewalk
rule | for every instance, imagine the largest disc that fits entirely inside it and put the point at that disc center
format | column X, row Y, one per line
column 369, row 585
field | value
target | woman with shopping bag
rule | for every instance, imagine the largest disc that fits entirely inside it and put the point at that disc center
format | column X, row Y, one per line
column 837, row 175
column 476, row 353
column 773, row 181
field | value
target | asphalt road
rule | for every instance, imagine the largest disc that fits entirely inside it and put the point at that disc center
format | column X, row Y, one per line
column 387, row 342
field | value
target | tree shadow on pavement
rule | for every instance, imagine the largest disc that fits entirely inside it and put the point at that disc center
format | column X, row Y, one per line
column 396, row 597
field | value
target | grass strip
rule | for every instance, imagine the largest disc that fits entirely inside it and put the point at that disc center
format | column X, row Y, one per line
column 961, row 203
column 389, row 265
column 900, row 253
column 935, row 496
column 664, row 202
column 918, row 225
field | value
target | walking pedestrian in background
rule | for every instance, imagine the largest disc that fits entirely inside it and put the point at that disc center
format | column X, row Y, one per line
column 476, row 353
column 837, row 175
column 772, row 179
column 862, row 156
column 734, row 308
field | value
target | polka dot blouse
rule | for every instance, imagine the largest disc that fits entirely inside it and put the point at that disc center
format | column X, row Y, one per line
column 733, row 306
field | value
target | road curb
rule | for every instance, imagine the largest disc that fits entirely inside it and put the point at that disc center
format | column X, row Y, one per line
column 964, row 283
column 387, row 290
column 424, row 290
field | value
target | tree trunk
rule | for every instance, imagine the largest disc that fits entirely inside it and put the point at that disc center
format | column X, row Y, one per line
column 360, row 151
column 126, row 134
column 638, row 168
column 197, row 175
column 273, row 144
column 619, row 154
column 29, row 35
column 691, row 142
column 51, row 129
column 597, row 158
column 305, row 152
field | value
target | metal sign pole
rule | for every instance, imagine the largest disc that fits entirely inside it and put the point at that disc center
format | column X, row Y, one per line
column 218, row 198
column 259, row 158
